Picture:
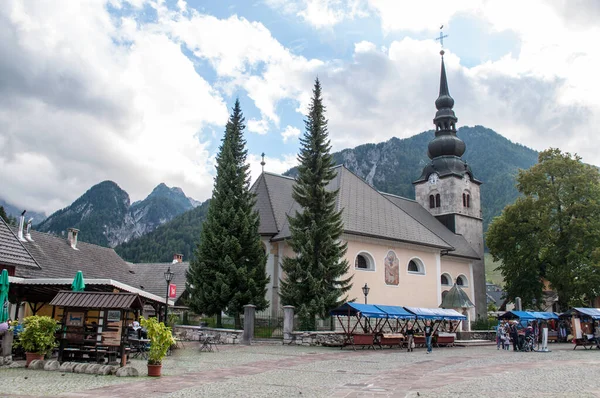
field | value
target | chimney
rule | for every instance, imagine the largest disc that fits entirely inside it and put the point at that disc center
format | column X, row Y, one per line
column 21, row 225
column 72, row 237
column 28, row 233
column 177, row 258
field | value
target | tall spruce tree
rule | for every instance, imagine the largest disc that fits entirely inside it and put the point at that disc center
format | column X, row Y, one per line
column 228, row 270
column 315, row 279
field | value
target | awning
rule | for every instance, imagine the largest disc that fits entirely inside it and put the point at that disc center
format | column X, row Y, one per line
column 436, row 313
column 594, row 313
column 522, row 315
column 395, row 312
column 545, row 315
column 353, row 309
column 97, row 300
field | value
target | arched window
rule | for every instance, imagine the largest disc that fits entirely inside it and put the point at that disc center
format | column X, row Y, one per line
column 437, row 200
column 462, row 281
column 431, row 202
column 364, row 261
column 446, row 280
column 468, row 200
column 415, row 266
column 464, row 200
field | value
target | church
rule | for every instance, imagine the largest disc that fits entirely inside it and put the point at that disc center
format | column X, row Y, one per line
column 408, row 252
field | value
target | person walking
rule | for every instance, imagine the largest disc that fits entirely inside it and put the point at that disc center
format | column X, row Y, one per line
column 428, row 335
column 514, row 335
column 410, row 334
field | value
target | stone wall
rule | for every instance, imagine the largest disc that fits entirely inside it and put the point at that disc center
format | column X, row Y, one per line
column 328, row 339
column 193, row 333
column 477, row 335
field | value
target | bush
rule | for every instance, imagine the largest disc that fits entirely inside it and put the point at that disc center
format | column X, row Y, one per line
column 38, row 335
column 160, row 337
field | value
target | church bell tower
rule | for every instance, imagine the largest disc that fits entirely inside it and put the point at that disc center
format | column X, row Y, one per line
column 448, row 189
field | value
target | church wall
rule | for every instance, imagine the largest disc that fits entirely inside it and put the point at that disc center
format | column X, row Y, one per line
column 412, row 290
column 451, row 190
column 455, row 268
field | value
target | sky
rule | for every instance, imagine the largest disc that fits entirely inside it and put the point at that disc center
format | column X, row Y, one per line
column 139, row 91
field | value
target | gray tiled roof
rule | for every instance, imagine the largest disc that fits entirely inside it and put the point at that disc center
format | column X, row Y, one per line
column 58, row 259
column 462, row 248
column 14, row 253
column 150, row 277
column 366, row 211
column 268, row 225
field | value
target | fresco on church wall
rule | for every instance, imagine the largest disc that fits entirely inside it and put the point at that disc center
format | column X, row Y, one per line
column 392, row 269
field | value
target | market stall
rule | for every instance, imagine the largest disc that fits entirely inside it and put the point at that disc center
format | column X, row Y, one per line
column 584, row 323
column 362, row 323
column 437, row 317
column 392, row 330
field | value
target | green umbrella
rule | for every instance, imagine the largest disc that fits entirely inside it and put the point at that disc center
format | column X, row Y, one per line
column 4, row 296
column 78, row 285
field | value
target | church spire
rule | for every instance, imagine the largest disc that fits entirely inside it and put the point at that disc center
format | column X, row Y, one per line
column 445, row 143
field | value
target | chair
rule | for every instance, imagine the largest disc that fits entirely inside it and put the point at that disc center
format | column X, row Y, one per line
column 209, row 343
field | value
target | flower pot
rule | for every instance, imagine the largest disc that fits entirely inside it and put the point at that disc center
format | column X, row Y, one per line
column 30, row 356
column 154, row 370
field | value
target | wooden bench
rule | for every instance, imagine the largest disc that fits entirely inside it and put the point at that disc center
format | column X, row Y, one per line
column 419, row 341
column 445, row 340
column 391, row 339
column 363, row 340
column 585, row 343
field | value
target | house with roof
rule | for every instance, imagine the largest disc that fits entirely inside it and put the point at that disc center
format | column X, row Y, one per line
column 409, row 252
column 41, row 264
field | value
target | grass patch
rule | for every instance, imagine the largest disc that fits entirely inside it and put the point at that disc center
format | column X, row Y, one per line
column 491, row 274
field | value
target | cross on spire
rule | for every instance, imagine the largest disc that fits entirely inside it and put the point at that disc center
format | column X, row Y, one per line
column 262, row 163
column 442, row 37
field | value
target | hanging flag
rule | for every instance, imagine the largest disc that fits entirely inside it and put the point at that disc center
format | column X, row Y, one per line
column 172, row 290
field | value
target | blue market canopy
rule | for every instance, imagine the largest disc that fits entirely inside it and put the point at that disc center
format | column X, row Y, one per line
column 355, row 309
column 593, row 313
column 395, row 312
column 435, row 313
column 545, row 315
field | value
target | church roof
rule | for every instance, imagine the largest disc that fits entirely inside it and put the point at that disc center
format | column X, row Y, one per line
column 462, row 248
column 150, row 277
column 366, row 211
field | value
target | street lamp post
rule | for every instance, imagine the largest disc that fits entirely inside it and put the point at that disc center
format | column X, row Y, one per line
column 365, row 290
column 168, row 277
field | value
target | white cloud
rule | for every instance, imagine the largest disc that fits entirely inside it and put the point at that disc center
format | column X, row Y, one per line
column 322, row 13
column 258, row 126
column 290, row 132
column 76, row 108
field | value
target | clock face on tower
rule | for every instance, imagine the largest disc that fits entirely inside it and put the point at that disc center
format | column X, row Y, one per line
column 433, row 178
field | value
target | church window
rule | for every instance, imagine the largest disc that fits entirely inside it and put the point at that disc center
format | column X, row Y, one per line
column 415, row 266
column 462, row 281
column 364, row 261
column 431, row 201
column 445, row 280
column 464, row 200
column 468, row 200
column 437, row 200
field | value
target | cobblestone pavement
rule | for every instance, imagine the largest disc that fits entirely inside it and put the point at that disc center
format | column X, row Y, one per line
column 282, row 371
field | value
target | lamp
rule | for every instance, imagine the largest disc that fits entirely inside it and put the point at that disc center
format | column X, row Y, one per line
column 168, row 277
column 365, row 290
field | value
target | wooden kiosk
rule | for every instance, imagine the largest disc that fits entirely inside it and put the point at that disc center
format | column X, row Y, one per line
column 94, row 324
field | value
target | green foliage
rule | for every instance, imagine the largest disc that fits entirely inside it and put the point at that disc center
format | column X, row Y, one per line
column 551, row 233
column 38, row 335
column 180, row 235
column 315, row 278
column 3, row 214
column 228, row 268
column 160, row 337
column 488, row 323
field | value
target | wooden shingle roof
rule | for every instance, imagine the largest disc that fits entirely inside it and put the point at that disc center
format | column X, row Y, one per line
column 97, row 300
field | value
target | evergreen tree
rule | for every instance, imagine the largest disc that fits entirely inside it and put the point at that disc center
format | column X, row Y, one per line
column 228, row 269
column 315, row 281
column 3, row 215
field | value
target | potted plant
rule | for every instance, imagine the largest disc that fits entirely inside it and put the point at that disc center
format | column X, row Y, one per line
column 161, row 339
column 38, row 337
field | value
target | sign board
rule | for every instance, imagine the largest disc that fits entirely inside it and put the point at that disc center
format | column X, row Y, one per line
column 75, row 318
column 113, row 316
column 172, row 290
column 112, row 334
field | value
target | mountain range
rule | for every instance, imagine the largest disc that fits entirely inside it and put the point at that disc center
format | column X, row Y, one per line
column 389, row 166
column 104, row 215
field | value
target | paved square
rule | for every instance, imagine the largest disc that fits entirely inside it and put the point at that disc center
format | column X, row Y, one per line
column 282, row 371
